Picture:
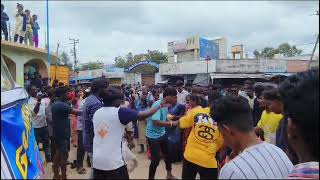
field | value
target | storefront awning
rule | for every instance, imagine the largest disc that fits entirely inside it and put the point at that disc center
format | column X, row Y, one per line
column 230, row 76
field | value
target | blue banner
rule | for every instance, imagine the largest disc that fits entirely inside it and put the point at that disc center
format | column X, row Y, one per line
column 146, row 62
column 18, row 145
column 208, row 49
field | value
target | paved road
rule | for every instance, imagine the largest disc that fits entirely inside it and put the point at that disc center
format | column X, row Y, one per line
column 141, row 172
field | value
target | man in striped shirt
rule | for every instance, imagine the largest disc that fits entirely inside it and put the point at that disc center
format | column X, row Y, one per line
column 257, row 159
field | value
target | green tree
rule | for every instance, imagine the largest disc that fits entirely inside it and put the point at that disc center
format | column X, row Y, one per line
column 65, row 60
column 288, row 51
column 268, row 52
column 91, row 66
column 157, row 56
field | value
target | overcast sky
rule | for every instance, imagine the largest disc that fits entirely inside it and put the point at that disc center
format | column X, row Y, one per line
column 107, row 29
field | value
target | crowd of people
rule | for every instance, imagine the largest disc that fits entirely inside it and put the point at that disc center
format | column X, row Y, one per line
column 247, row 132
column 26, row 26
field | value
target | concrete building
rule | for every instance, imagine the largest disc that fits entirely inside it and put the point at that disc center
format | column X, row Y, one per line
column 196, row 71
column 190, row 49
column 114, row 78
column 223, row 47
column 21, row 58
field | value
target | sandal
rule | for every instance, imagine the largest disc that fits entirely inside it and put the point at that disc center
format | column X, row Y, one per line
column 81, row 170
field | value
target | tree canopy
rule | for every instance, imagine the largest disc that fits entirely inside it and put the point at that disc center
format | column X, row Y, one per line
column 285, row 49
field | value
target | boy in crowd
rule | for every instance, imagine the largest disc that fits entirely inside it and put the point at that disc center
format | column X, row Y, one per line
column 4, row 19
column 156, row 133
column 258, row 159
column 35, row 29
column 61, row 131
column 300, row 98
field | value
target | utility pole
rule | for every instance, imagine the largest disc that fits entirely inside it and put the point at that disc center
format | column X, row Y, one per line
column 55, row 73
column 74, row 42
column 313, row 51
column 315, row 45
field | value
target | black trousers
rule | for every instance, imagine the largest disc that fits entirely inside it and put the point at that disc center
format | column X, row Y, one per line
column 42, row 136
column 4, row 29
column 190, row 171
column 15, row 38
column 52, row 147
column 80, row 149
column 155, row 147
column 120, row 173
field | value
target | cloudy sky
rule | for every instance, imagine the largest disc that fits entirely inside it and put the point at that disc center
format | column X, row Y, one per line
column 107, row 29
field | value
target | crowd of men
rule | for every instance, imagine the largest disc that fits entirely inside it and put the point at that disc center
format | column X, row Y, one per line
column 26, row 26
column 251, row 132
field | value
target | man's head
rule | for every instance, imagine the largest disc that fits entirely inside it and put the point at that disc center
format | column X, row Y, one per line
column 234, row 90
column 97, row 85
column 169, row 95
column 34, row 17
column 19, row 7
column 258, row 89
column 179, row 86
column 156, row 94
column 263, row 102
column 27, row 11
column 60, row 84
column 32, row 91
column 272, row 97
column 249, row 91
column 193, row 100
column 213, row 96
column 247, row 83
column 61, row 93
column 234, row 117
column 2, row 7
column 111, row 97
column 300, row 97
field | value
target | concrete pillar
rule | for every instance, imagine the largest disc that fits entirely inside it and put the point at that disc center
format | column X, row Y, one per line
column 195, row 54
column 19, row 73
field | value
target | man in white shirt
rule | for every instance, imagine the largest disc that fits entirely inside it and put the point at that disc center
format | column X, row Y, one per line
column 39, row 123
column 181, row 93
column 257, row 159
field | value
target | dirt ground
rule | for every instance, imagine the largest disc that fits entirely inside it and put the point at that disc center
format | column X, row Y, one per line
column 141, row 172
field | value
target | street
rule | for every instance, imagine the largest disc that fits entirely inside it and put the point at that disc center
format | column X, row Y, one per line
column 141, row 172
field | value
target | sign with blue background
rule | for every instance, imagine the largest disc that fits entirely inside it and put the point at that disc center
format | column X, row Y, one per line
column 18, row 145
column 208, row 49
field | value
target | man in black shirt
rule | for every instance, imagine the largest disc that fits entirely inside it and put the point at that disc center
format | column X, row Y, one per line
column 61, row 131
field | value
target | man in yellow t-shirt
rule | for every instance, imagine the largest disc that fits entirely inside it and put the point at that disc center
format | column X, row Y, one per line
column 203, row 143
column 269, row 121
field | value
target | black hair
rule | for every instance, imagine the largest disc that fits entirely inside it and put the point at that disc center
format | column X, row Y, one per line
column 179, row 83
column 300, row 97
column 249, row 82
column 50, row 92
column 61, row 91
column 29, row 88
column 216, row 86
column 98, row 84
column 233, row 111
column 213, row 95
column 111, row 94
column 169, row 91
column 2, row 6
column 194, row 97
column 258, row 89
column 164, row 86
column 272, row 94
column 60, row 84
